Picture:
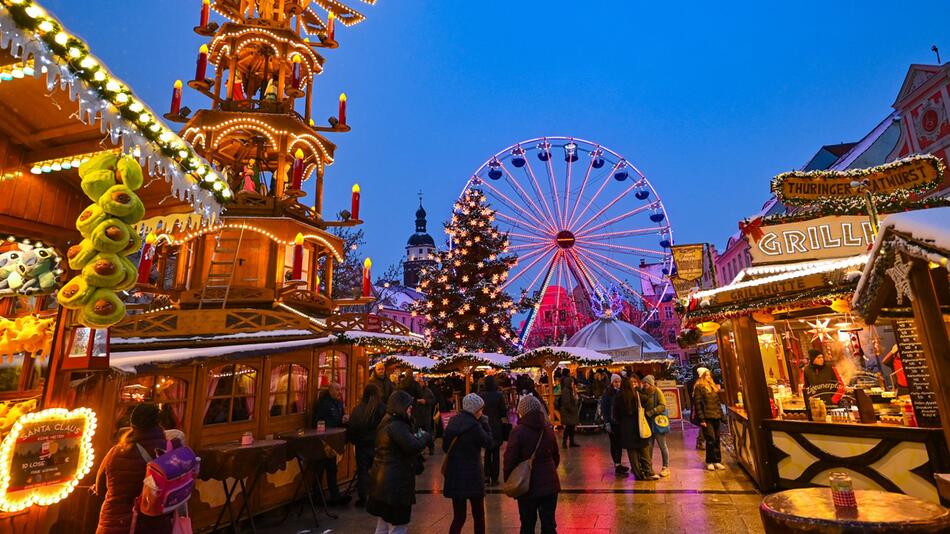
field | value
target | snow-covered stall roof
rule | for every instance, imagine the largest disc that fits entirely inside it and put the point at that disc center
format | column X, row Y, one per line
column 132, row 361
column 418, row 363
column 461, row 361
column 621, row 340
column 539, row 356
column 922, row 234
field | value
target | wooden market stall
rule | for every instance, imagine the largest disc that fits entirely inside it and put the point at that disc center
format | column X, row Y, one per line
column 547, row 359
column 59, row 107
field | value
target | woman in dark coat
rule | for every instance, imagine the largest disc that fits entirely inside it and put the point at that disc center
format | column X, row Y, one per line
column 361, row 432
column 569, row 409
column 541, row 499
column 122, row 474
column 424, row 410
column 626, row 410
column 393, row 476
column 465, row 436
column 496, row 410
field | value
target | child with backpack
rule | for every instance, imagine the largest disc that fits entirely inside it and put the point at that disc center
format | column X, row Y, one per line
column 144, row 478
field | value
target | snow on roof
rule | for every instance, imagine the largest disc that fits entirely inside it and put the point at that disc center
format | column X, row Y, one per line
column 845, row 160
column 786, row 272
column 579, row 354
column 494, row 358
column 419, row 363
column 120, row 341
column 133, row 360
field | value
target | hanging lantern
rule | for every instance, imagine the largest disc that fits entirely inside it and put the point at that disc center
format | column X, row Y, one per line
column 88, row 349
column 708, row 328
column 841, row 305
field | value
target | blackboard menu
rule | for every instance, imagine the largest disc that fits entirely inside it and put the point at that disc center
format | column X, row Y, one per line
column 917, row 371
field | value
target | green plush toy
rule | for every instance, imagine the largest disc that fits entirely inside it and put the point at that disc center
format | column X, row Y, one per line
column 105, row 270
column 112, row 235
column 101, row 161
column 95, row 183
column 75, row 293
column 129, row 172
column 131, row 275
column 135, row 244
column 79, row 255
column 102, row 309
column 121, row 201
column 38, row 270
column 8, row 265
column 89, row 219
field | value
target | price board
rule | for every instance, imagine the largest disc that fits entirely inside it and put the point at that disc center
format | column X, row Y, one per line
column 922, row 394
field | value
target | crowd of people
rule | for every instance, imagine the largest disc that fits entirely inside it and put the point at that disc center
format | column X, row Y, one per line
column 397, row 421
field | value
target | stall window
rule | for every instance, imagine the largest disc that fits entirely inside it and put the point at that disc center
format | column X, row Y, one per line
column 231, row 390
column 288, row 389
column 331, row 367
column 168, row 392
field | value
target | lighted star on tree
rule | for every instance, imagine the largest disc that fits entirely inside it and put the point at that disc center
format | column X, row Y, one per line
column 819, row 330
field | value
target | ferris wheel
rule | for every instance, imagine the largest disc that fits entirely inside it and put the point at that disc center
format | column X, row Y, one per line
column 582, row 220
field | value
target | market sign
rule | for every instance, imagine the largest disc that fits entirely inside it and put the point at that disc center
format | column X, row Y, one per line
column 44, row 456
column 682, row 287
column 689, row 261
column 815, row 239
column 916, row 174
column 755, row 291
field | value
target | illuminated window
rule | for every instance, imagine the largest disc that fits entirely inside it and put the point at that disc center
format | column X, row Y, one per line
column 331, row 367
column 169, row 393
column 288, row 389
column 668, row 311
column 231, row 390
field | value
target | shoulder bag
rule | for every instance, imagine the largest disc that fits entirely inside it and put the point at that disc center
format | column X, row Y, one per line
column 445, row 461
column 645, row 432
column 661, row 423
column 519, row 481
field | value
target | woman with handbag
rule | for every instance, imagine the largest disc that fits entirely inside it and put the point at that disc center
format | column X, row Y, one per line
column 709, row 411
column 533, row 443
column 496, row 410
column 654, row 407
column 465, row 436
column 635, row 431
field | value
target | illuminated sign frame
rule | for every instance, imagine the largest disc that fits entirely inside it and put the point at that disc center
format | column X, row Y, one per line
column 834, row 236
column 45, row 495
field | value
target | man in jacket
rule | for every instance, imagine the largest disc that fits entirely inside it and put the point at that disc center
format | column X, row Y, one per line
column 607, row 411
column 379, row 379
column 822, row 379
column 329, row 409
column 424, row 409
column 496, row 409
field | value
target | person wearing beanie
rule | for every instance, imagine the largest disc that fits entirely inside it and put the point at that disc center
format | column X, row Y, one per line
column 606, row 410
column 654, row 404
column 535, row 436
column 122, row 474
column 393, row 475
column 821, row 379
column 709, row 413
column 496, row 410
column 465, row 436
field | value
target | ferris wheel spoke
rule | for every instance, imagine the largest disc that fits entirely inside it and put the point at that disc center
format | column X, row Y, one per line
column 512, row 204
column 557, row 296
column 618, row 281
column 531, row 246
column 523, row 270
column 534, row 236
column 600, row 189
column 557, row 197
column 621, row 265
column 537, row 188
column 609, row 205
column 618, row 218
column 529, row 320
column 627, row 233
column 628, row 248
column 580, row 194
column 524, row 194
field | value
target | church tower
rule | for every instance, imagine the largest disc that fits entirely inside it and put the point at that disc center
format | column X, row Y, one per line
column 420, row 250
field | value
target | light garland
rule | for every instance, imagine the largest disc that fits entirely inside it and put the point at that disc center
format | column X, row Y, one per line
column 18, row 71
column 46, row 495
column 27, row 29
column 188, row 236
column 65, row 164
column 220, row 45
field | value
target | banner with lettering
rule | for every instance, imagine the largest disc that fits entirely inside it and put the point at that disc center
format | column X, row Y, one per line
column 835, row 236
column 689, row 261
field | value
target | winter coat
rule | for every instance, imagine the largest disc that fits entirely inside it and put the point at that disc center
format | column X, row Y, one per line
column 524, row 438
column 411, row 387
column 607, row 401
column 422, row 413
column 569, row 406
column 120, row 479
column 496, row 409
column 361, row 430
column 328, row 410
column 706, row 402
column 823, row 382
column 654, row 403
column 464, row 474
column 393, row 476
column 384, row 384
column 628, row 423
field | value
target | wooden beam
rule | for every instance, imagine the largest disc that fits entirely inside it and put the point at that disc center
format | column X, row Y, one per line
column 756, row 398
column 64, row 151
column 729, row 364
column 932, row 332
column 73, row 128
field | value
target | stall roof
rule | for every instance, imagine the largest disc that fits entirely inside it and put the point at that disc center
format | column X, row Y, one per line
column 537, row 357
column 68, row 103
column 133, row 361
column 461, row 361
column 921, row 234
column 418, row 363
column 614, row 336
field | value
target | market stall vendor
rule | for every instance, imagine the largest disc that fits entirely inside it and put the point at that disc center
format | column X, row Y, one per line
column 821, row 379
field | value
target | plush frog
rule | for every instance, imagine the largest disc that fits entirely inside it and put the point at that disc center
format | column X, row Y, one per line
column 37, row 268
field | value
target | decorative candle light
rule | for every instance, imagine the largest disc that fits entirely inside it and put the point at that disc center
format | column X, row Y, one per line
column 205, row 12
column 331, row 25
column 295, row 72
column 202, row 67
column 341, row 119
column 367, row 285
column 145, row 263
column 176, row 98
column 355, row 203
column 297, row 170
column 297, row 269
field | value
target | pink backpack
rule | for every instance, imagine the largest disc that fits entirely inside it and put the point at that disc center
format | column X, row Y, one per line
column 169, row 479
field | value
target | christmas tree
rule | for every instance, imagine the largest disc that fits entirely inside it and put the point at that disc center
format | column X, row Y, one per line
column 465, row 306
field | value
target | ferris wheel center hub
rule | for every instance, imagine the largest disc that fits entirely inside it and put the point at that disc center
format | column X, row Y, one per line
column 565, row 239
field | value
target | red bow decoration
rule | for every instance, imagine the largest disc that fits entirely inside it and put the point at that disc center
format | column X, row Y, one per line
column 752, row 228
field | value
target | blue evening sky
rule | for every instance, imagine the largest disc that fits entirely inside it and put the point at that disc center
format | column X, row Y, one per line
column 708, row 99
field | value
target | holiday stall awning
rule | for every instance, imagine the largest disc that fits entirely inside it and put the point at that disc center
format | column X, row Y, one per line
column 549, row 357
column 783, row 287
column 416, row 363
column 465, row 361
column 59, row 105
column 921, row 235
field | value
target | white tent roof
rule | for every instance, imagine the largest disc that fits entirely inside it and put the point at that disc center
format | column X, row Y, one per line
column 619, row 338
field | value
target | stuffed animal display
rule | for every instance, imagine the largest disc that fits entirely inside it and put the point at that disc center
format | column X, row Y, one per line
column 28, row 270
column 28, row 334
column 109, row 180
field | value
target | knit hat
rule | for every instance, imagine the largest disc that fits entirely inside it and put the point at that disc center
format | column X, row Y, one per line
column 700, row 371
column 649, row 380
column 528, row 404
column 144, row 416
column 471, row 403
column 615, row 376
column 398, row 402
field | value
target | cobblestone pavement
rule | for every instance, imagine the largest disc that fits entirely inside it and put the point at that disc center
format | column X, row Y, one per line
column 594, row 500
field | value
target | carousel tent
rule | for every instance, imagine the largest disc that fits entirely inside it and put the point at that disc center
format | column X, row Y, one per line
column 622, row 341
